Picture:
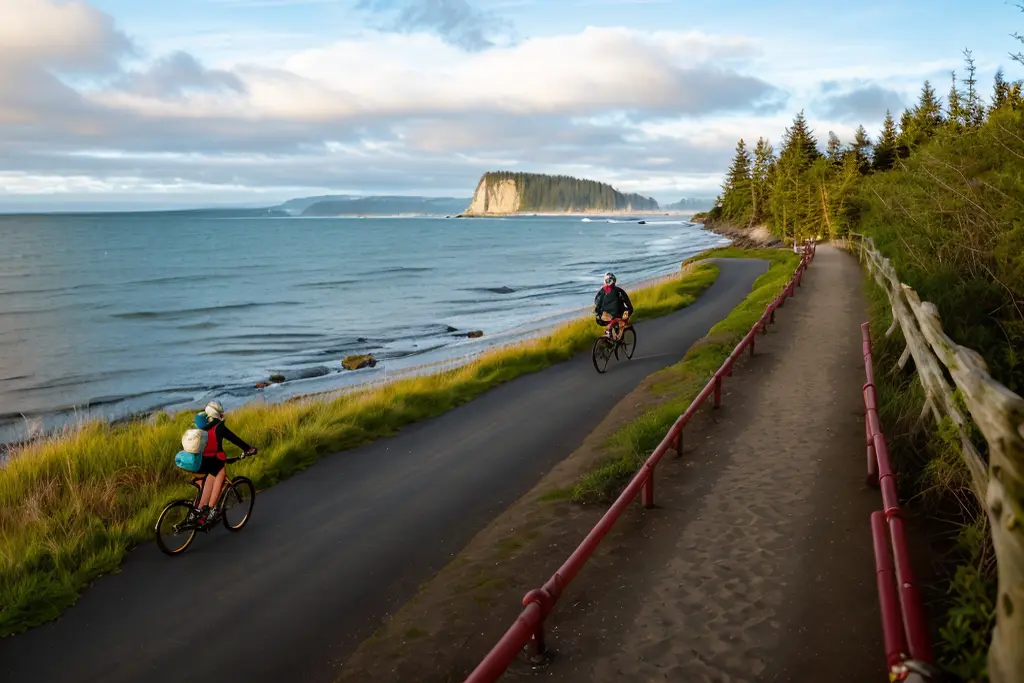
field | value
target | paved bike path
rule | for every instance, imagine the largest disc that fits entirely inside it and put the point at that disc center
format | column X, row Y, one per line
column 331, row 551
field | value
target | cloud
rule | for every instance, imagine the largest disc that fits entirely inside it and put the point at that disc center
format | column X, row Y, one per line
column 380, row 112
column 458, row 22
column 71, row 36
column 380, row 74
column 177, row 73
column 861, row 103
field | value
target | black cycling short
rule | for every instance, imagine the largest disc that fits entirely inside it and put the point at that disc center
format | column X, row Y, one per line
column 212, row 465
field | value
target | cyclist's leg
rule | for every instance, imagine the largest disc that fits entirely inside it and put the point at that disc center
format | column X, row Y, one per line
column 213, row 468
column 218, row 484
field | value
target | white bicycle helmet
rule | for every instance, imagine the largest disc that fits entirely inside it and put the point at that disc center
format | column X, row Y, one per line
column 609, row 279
column 215, row 410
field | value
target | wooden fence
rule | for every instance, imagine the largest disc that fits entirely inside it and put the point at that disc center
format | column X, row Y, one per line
column 997, row 472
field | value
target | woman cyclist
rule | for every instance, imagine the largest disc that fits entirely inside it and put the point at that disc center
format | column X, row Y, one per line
column 211, row 420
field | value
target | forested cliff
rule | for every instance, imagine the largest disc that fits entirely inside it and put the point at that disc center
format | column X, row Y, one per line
column 500, row 193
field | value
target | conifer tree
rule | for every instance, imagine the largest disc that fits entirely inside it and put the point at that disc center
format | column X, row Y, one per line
column 799, row 146
column 1000, row 91
column 861, row 149
column 834, row 150
column 906, row 131
column 764, row 163
column 886, row 149
column 973, row 110
column 926, row 117
column 737, row 198
column 954, row 109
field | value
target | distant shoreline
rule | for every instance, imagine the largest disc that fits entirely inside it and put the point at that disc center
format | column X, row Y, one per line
column 587, row 212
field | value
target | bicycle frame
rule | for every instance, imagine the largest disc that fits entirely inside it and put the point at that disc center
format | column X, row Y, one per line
column 617, row 322
column 199, row 481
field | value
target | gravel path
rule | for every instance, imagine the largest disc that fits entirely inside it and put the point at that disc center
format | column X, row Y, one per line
column 759, row 565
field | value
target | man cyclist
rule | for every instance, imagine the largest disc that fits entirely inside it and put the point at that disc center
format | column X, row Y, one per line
column 611, row 302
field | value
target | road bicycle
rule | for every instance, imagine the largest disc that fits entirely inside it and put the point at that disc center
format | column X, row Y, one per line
column 175, row 530
column 607, row 346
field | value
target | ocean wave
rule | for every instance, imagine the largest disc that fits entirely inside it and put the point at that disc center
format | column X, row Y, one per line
column 490, row 290
column 328, row 284
column 246, row 352
column 402, row 269
column 183, row 312
column 65, row 381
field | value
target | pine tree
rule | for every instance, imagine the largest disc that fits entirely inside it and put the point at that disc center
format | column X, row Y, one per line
column 973, row 110
column 886, row 149
column 955, row 111
column 861, row 149
column 834, row 151
column 1000, row 91
column 906, row 131
column 737, row 199
column 764, row 162
column 926, row 117
column 799, row 146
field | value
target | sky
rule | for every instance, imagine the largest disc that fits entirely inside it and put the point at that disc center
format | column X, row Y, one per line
column 154, row 104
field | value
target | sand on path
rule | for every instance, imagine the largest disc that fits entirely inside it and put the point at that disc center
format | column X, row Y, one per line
column 757, row 565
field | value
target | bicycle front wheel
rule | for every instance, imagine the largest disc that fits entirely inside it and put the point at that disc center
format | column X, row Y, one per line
column 238, row 501
column 628, row 343
column 603, row 350
column 173, row 535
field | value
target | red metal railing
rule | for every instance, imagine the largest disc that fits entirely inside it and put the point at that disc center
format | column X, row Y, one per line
column 899, row 597
column 528, row 628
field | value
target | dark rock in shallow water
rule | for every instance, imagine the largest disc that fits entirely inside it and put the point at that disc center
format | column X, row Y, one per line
column 642, row 222
column 301, row 373
column 475, row 333
column 449, row 329
column 361, row 340
column 262, row 385
column 359, row 362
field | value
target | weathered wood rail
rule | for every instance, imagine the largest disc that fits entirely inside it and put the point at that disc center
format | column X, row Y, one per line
column 997, row 471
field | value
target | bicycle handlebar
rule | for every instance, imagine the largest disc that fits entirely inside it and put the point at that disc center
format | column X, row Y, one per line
column 243, row 456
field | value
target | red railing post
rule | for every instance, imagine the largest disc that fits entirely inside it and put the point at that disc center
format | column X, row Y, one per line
column 752, row 338
column 537, row 649
column 892, row 628
column 679, row 444
column 647, row 493
column 718, row 390
column 910, row 594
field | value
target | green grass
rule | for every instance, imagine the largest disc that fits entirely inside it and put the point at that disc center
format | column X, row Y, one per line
column 630, row 446
column 72, row 506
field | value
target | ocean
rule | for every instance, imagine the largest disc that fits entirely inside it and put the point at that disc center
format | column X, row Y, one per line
column 108, row 315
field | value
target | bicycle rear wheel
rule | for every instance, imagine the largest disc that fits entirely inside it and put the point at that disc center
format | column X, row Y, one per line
column 173, row 536
column 603, row 350
column 238, row 500
column 628, row 344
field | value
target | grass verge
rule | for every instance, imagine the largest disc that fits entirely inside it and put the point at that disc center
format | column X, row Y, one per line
column 71, row 507
column 679, row 384
column 935, row 484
